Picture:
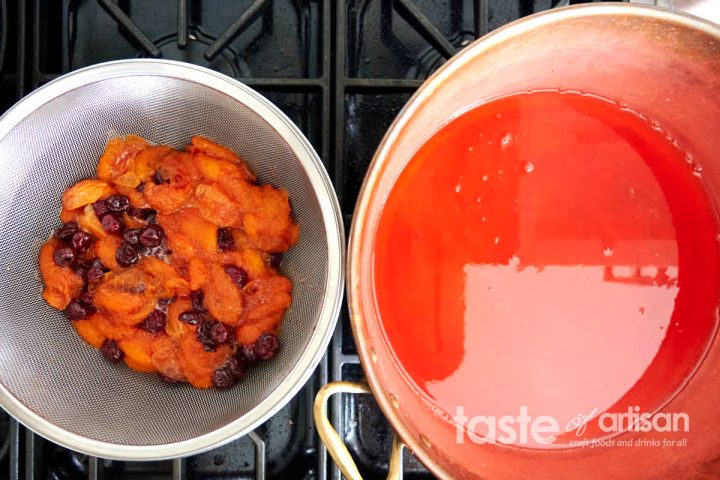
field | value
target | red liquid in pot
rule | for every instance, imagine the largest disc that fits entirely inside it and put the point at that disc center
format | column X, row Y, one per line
column 551, row 251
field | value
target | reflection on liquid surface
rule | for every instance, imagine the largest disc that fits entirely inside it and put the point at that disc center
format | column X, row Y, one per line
column 552, row 251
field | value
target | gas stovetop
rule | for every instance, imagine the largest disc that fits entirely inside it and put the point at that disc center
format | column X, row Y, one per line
column 341, row 70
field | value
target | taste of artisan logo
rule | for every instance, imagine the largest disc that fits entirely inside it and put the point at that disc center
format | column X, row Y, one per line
column 525, row 429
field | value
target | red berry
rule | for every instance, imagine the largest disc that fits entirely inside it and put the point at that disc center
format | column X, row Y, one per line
column 238, row 275
column 111, row 351
column 225, row 240
column 64, row 257
column 222, row 379
column 126, row 255
column 267, row 346
column 66, row 231
column 152, row 236
column 112, row 223
column 81, row 241
column 117, row 203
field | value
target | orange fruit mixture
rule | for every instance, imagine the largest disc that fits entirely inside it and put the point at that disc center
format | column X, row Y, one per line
column 169, row 261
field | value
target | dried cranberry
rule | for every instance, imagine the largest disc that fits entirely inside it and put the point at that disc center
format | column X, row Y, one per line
column 158, row 178
column 81, row 241
column 132, row 236
column 204, row 334
column 225, row 240
column 81, row 268
column 248, row 353
column 237, row 274
column 161, row 251
column 190, row 317
column 85, row 298
column 76, row 310
column 95, row 272
column 147, row 214
column 274, row 259
column 236, row 366
column 89, row 308
column 140, row 188
column 126, row 255
column 196, row 297
column 222, row 379
column 155, row 322
column 66, row 231
column 111, row 351
column 267, row 346
column 64, row 257
column 219, row 333
column 168, row 380
column 112, row 223
column 117, row 203
column 163, row 304
column 152, row 236
column 100, row 207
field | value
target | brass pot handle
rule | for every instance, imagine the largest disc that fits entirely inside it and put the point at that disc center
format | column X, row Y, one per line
column 334, row 443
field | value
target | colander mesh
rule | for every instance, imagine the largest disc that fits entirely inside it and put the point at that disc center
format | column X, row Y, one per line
column 43, row 362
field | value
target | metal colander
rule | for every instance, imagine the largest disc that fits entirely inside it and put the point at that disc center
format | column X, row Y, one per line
column 50, row 379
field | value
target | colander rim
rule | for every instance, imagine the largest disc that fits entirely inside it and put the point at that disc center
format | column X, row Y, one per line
column 334, row 285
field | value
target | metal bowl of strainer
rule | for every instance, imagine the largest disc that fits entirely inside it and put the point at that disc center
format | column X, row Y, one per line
column 57, row 385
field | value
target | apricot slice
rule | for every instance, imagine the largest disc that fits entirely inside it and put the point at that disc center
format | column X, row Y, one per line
column 89, row 332
column 266, row 298
column 223, row 299
column 174, row 327
column 111, row 328
column 127, row 294
column 105, row 249
column 147, row 161
column 166, row 278
column 198, row 273
column 85, row 192
column 267, row 218
column 199, row 365
column 138, row 350
column 165, row 358
column 118, row 156
column 90, row 222
column 215, row 206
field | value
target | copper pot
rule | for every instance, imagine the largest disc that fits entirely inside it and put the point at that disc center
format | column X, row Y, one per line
column 663, row 63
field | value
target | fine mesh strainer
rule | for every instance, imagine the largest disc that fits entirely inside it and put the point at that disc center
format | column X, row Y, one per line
column 52, row 381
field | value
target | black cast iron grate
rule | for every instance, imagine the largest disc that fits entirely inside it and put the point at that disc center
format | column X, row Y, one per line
column 341, row 70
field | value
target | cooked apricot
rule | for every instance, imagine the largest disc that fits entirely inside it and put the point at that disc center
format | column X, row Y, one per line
column 127, row 294
column 85, row 192
column 89, row 221
column 89, row 332
column 197, row 364
column 192, row 226
column 106, row 249
column 212, row 149
column 266, row 297
column 198, row 273
column 165, row 358
column 110, row 327
column 267, row 219
column 138, row 351
column 119, row 155
column 215, row 206
column 175, row 327
column 223, row 299
column 166, row 279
